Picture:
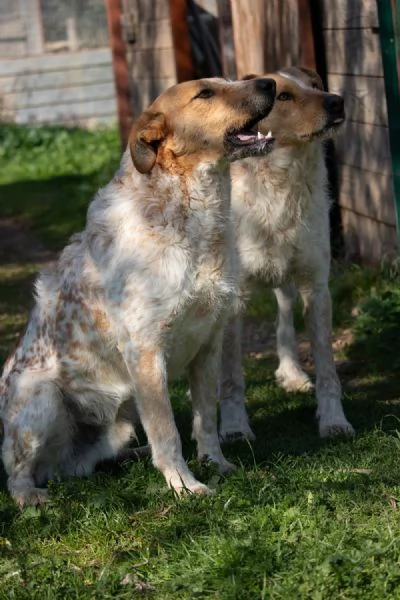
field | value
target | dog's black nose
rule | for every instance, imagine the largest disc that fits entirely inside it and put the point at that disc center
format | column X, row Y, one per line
column 265, row 85
column 334, row 105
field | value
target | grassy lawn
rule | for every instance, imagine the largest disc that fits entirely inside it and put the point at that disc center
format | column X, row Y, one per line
column 300, row 518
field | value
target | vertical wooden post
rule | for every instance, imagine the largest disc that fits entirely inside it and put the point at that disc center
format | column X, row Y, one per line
column 248, row 34
column 181, row 40
column 120, row 67
column 226, row 39
column 32, row 14
column 306, row 35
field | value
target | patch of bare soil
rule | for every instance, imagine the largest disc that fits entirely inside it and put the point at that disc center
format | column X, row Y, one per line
column 19, row 245
column 259, row 341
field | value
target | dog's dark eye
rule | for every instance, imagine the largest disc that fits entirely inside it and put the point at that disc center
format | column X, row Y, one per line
column 206, row 93
column 285, row 96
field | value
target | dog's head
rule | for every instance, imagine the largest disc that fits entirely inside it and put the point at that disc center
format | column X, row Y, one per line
column 303, row 111
column 202, row 121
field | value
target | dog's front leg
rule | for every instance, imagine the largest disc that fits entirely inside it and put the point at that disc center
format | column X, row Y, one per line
column 318, row 315
column 234, row 420
column 203, row 381
column 149, row 377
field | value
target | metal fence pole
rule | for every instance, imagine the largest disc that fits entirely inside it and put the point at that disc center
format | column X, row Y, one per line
column 389, row 33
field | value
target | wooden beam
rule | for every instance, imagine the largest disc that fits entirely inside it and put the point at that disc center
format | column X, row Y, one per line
column 32, row 14
column 226, row 39
column 248, row 36
column 181, row 40
column 120, row 67
column 306, row 35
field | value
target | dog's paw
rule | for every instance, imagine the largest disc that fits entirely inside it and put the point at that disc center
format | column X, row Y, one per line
column 222, row 465
column 200, row 488
column 334, row 427
column 294, row 381
column 31, row 497
column 194, row 488
column 236, row 435
column 183, row 482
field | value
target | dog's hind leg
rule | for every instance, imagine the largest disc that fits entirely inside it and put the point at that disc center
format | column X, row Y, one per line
column 289, row 374
column 105, row 443
column 234, row 422
column 35, row 431
column 318, row 314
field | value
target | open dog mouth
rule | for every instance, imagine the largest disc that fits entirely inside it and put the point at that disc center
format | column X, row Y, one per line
column 249, row 137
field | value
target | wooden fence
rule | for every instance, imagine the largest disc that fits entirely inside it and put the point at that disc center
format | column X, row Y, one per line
column 75, row 88
column 355, row 70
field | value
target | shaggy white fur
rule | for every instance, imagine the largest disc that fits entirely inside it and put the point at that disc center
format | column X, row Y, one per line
column 281, row 211
column 140, row 295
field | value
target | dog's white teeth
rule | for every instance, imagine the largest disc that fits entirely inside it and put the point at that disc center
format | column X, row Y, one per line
column 269, row 134
column 259, row 135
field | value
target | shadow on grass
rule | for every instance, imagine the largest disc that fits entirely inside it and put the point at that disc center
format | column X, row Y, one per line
column 36, row 218
column 52, row 208
column 285, row 426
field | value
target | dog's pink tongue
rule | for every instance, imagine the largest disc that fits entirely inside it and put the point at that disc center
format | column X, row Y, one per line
column 245, row 137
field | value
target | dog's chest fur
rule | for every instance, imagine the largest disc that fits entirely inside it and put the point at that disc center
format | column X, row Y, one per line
column 280, row 207
column 155, row 267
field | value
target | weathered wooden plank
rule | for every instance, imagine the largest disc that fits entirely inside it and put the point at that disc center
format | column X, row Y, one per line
column 10, row 49
column 67, row 112
column 148, row 10
column 346, row 14
column 53, row 79
column 51, row 97
column 55, row 62
column 120, row 68
column 31, row 11
column 281, row 42
column 11, row 27
column 367, row 240
column 364, row 146
column 154, row 63
column 91, row 122
column 365, row 98
column 368, row 194
column 181, row 47
column 154, row 34
column 248, row 31
column 353, row 51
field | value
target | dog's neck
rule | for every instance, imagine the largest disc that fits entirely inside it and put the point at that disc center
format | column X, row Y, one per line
column 171, row 196
column 285, row 159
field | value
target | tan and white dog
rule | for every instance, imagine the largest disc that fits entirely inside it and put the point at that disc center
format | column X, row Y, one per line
column 141, row 294
column 281, row 211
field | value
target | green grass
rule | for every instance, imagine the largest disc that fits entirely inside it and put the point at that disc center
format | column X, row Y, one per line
column 300, row 518
column 48, row 176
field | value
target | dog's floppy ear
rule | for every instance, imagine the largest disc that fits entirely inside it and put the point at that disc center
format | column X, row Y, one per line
column 146, row 135
column 313, row 75
column 250, row 76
